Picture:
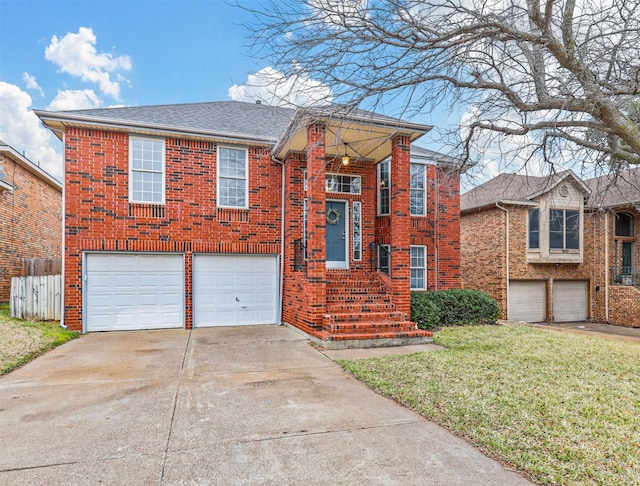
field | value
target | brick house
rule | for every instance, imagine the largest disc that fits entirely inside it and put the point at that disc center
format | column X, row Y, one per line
column 555, row 248
column 230, row 213
column 30, row 215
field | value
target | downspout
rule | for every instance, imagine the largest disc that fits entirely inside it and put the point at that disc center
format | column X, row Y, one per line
column 62, row 239
column 506, row 244
column 282, row 201
column 437, row 232
column 606, row 266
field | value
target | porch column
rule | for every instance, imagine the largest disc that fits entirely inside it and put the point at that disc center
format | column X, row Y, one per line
column 316, row 243
column 400, row 222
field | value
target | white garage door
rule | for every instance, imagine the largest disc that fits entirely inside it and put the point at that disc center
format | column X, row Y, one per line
column 134, row 291
column 527, row 301
column 231, row 290
column 570, row 300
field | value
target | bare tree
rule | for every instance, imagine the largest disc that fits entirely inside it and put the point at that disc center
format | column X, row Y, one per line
column 562, row 77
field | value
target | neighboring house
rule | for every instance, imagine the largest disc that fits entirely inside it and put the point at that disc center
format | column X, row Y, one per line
column 30, row 215
column 555, row 248
column 230, row 213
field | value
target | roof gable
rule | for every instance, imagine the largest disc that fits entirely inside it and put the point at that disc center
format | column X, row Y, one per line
column 516, row 189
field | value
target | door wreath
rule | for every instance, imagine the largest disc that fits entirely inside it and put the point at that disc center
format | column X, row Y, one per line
column 333, row 216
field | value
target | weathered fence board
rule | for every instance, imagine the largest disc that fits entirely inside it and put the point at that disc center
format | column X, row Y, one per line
column 41, row 266
column 36, row 297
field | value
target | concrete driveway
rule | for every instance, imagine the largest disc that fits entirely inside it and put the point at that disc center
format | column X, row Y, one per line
column 250, row 405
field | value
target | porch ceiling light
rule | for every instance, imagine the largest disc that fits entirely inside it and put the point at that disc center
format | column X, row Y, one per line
column 345, row 158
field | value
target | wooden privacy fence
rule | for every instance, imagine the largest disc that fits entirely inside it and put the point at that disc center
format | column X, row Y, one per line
column 36, row 298
column 41, row 266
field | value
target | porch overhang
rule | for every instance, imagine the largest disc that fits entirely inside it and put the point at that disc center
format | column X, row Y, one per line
column 367, row 135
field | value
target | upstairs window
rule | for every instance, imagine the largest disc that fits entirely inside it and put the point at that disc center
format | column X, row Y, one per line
column 418, row 190
column 534, row 229
column 624, row 224
column 146, row 170
column 345, row 184
column 384, row 185
column 232, row 177
column 564, row 229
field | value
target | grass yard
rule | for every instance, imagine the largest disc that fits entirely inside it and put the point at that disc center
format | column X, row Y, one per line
column 21, row 341
column 564, row 409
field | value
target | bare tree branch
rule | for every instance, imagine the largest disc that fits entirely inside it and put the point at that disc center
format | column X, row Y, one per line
column 565, row 74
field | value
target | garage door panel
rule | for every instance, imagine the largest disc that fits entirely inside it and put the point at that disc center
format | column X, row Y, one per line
column 234, row 290
column 570, row 300
column 527, row 301
column 129, row 291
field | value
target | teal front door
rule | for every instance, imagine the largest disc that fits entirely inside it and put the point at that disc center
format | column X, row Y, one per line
column 336, row 235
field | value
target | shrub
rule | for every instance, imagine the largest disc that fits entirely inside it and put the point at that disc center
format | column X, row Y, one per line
column 455, row 307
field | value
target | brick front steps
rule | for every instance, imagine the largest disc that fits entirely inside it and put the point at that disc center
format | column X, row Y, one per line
column 360, row 314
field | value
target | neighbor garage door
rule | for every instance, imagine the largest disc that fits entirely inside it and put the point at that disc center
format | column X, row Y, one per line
column 230, row 290
column 527, row 301
column 134, row 291
column 570, row 300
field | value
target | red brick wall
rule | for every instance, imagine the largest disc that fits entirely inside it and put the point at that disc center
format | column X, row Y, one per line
column 99, row 216
column 30, row 222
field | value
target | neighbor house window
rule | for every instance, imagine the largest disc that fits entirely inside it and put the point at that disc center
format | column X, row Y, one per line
column 624, row 224
column 232, row 177
column 564, row 229
column 384, row 185
column 534, row 229
column 357, row 230
column 418, row 190
column 418, row 268
column 146, row 170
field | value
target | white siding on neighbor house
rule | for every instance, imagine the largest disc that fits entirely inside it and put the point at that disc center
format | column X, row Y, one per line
column 527, row 301
column 126, row 291
column 570, row 300
column 231, row 290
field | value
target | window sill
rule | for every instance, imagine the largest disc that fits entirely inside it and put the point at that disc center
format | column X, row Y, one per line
column 574, row 258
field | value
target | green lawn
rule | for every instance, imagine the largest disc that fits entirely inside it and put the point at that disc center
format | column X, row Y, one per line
column 564, row 409
column 21, row 341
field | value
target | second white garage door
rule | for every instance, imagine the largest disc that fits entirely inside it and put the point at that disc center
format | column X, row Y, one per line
column 231, row 290
column 527, row 301
column 570, row 300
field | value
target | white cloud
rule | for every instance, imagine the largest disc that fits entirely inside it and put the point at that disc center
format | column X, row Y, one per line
column 75, row 99
column 274, row 88
column 76, row 54
column 31, row 83
column 21, row 129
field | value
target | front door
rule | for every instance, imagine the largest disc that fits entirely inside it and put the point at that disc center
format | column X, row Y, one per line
column 336, row 237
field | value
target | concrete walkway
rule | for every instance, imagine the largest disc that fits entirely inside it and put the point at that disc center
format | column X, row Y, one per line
column 596, row 329
column 250, row 405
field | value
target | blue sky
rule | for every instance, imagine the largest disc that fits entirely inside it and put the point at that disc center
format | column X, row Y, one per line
column 58, row 55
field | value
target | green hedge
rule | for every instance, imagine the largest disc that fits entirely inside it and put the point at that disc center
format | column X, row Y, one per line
column 455, row 307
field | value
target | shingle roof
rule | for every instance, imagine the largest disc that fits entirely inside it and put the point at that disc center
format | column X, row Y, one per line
column 618, row 189
column 610, row 190
column 250, row 120
column 510, row 187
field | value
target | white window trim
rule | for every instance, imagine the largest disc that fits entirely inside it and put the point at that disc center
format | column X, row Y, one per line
column 424, row 248
column 378, row 189
column 357, row 238
column 352, row 176
column 424, row 183
column 246, row 179
column 131, row 170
